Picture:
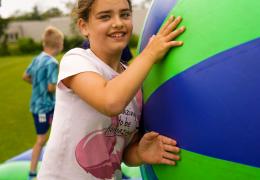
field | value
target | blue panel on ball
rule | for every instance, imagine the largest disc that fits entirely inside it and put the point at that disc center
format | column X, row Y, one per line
column 213, row 108
column 25, row 156
column 148, row 172
column 157, row 14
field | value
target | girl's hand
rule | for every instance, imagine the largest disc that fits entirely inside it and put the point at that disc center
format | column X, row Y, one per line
column 157, row 149
column 159, row 44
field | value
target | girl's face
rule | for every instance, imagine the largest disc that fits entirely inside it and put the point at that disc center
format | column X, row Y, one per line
column 109, row 26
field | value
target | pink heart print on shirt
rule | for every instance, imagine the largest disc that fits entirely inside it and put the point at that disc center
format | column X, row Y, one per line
column 95, row 155
column 96, row 152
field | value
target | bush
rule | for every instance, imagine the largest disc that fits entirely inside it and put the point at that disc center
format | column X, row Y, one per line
column 134, row 41
column 4, row 50
column 13, row 49
column 72, row 42
column 28, row 46
column 4, row 47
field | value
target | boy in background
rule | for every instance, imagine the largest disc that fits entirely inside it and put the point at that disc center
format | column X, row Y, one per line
column 42, row 74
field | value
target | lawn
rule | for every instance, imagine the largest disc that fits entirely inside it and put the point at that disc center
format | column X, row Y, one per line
column 17, row 133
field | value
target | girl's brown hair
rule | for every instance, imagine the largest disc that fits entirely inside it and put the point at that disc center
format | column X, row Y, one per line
column 83, row 8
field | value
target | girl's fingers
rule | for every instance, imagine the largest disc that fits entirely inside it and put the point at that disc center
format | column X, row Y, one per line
column 174, row 43
column 171, row 148
column 168, row 162
column 171, row 26
column 151, row 135
column 175, row 33
column 166, row 140
column 170, row 20
column 171, row 156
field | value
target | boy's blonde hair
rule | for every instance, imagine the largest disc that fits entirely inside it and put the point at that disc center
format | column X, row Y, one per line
column 52, row 37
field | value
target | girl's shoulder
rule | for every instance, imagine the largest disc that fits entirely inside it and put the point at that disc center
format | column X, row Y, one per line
column 78, row 54
column 76, row 51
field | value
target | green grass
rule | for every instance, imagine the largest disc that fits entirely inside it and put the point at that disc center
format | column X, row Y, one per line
column 17, row 132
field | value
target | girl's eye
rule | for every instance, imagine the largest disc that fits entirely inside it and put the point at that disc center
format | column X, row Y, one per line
column 126, row 15
column 104, row 17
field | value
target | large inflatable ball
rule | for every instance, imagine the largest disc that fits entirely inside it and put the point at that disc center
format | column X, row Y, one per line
column 206, row 94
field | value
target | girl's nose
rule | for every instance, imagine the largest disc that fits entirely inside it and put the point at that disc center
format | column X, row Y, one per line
column 117, row 23
column 117, row 26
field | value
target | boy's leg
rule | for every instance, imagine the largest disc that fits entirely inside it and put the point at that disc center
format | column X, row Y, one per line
column 42, row 124
column 36, row 152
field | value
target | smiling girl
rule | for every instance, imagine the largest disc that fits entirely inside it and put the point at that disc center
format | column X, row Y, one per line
column 98, row 100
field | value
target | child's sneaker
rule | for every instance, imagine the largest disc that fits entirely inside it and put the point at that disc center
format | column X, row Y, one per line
column 32, row 176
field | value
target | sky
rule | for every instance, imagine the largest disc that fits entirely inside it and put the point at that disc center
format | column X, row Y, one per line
column 10, row 7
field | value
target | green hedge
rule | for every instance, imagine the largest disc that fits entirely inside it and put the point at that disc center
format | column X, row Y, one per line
column 72, row 42
column 28, row 46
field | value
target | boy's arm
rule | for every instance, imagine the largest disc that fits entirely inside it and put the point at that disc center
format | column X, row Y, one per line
column 27, row 78
column 51, row 88
column 151, row 149
column 52, row 74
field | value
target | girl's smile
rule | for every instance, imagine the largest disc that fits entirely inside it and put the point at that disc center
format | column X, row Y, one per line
column 117, row 36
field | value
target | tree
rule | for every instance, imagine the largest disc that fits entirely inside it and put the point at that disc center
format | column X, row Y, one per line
column 3, row 36
column 3, row 26
column 53, row 12
column 35, row 15
column 70, row 6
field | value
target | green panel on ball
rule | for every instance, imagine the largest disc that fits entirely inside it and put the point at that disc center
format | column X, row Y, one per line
column 16, row 170
column 212, row 27
column 131, row 172
column 196, row 166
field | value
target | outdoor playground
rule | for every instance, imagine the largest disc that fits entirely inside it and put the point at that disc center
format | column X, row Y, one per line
column 208, row 93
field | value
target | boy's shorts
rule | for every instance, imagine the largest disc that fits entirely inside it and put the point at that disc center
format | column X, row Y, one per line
column 42, row 122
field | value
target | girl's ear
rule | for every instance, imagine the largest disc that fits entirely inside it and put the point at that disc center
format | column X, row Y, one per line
column 83, row 27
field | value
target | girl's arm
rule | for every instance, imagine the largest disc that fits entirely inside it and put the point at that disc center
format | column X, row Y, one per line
column 111, row 97
column 151, row 149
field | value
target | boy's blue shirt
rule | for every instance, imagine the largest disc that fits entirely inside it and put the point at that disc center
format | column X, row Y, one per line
column 43, row 71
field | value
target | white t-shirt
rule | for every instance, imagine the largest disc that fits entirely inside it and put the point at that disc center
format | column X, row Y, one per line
column 85, row 144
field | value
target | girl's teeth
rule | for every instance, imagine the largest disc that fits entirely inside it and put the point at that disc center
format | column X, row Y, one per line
column 117, row 35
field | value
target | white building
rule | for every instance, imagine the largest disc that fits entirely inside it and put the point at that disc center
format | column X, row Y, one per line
column 34, row 29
